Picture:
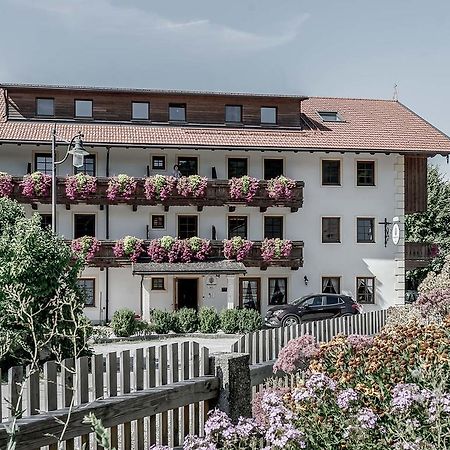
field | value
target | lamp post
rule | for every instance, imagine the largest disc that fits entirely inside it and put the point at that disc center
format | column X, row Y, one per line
column 78, row 153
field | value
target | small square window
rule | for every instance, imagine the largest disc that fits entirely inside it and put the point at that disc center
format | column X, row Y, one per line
column 331, row 230
column 188, row 165
column 365, row 230
column 272, row 168
column 277, row 291
column 330, row 116
column 177, row 112
column 46, row 221
column 237, row 226
column 365, row 173
column 140, row 110
column 158, row 162
column 269, row 115
column 331, row 285
column 45, row 106
column 83, row 108
column 233, row 113
column 84, row 225
column 87, row 287
column 158, row 221
column 331, row 172
column 365, row 289
column 43, row 163
column 237, row 167
column 158, row 284
column 273, row 227
column 88, row 167
column 187, row 226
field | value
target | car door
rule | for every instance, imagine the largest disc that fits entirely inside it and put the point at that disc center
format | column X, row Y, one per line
column 313, row 308
column 333, row 306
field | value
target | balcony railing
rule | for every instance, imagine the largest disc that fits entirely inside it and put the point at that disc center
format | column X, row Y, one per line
column 106, row 258
column 217, row 194
column 418, row 254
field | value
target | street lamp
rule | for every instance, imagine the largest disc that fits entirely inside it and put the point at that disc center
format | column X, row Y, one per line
column 78, row 153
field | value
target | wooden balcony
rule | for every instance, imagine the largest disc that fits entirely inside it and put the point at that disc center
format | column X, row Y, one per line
column 105, row 256
column 418, row 254
column 217, row 194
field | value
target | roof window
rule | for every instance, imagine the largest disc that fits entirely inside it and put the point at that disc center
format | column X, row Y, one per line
column 330, row 116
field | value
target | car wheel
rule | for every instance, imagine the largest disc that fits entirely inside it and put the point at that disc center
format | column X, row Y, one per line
column 290, row 320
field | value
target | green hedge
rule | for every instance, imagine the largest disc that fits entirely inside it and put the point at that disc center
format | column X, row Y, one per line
column 123, row 322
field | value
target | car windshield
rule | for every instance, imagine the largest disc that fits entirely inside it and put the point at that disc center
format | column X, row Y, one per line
column 300, row 300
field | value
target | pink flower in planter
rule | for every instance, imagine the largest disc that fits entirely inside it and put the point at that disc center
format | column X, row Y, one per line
column 172, row 249
column 280, row 188
column 129, row 246
column 121, row 187
column 236, row 248
column 86, row 247
column 159, row 187
column 6, row 184
column 192, row 186
column 80, row 186
column 275, row 249
column 243, row 188
column 36, row 184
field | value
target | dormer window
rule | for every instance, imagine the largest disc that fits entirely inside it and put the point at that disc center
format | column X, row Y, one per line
column 233, row 113
column 140, row 110
column 330, row 116
column 177, row 112
column 268, row 115
column 83, row 108
column 45, row 107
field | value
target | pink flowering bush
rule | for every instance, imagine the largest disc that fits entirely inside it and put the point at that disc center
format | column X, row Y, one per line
column 275, row 249
column 192, row 186
column 121, row 187
column 434, row 304
column 243, row 188
column 86, row 247
column 36, row 185
column 280, row 188
column 130, row 247
column 236, row 248
column 80, row 186
column 296, row 354
column 159, row 187
column 169, row 249
column 6, row 184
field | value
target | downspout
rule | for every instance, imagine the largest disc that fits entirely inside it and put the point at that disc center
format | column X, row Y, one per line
column 107, row 238
column 141, row 302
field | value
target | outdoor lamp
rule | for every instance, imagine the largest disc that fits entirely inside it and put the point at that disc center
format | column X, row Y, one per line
column 78, row 152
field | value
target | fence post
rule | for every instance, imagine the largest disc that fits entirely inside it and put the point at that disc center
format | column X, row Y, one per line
column 235, row 395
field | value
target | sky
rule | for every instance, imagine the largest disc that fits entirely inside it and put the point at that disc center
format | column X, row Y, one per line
column 339, row 48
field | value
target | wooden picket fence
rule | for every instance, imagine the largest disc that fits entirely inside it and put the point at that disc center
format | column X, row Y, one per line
column 265, row 345
column 110, row 386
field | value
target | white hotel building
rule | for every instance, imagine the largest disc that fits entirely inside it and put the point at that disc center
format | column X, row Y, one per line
column 360, row 165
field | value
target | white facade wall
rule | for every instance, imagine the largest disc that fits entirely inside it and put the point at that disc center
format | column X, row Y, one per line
column 347, row 259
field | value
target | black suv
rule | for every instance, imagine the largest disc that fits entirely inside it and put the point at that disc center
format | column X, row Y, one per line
column 311, row 307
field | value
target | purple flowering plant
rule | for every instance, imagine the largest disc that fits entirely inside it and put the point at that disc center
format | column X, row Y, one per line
column 36, row 185
column 86, row 247
column 6, row 184
column 121, row 187
column 237, row 248
column 243, row 188
column 192, row 186
column 159, row 187
column 275, row 248
column 129, row 246
column 170, row 249
column 280, row 188
column 80, row 186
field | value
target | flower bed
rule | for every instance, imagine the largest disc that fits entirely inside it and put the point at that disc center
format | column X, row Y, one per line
column 275, row 249
column 86, row 247
column 36, row 185
column 192, row 186
column 243, row 188
column 6, row 184
column 121, row 187
column 236, row 248
column 169, row 249
column 159, row 187
column 80, row 186
column 130, row 247
column 280, row 188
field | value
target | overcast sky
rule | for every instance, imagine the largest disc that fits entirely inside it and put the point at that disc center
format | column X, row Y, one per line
column 337, row 48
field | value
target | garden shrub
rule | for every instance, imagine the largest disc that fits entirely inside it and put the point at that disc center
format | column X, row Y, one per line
column 163, row 321
column 187, row 320
column 250, row 320
column 209, row 320
column 229, row 320
column 123, row 322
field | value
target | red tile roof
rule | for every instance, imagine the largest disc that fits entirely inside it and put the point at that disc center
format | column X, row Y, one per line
column 369, row 125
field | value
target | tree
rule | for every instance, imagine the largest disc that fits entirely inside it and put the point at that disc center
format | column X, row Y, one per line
column 41, row 306
column 431, row 226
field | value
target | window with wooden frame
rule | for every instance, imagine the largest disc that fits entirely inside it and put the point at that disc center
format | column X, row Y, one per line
column 365, row 290
column 273, row 227
column 277, row 291
column 273, row 167
column 43, row 163
column 268, row 115
column 187, row 226
column 331, row 172
column 331, row 285
column 237, row 167
column 46, row 221
column 158, row 284
column 250, row 293
column 177, row 112
column 88, row 167
column 237, row 226
column 140, row 110
column 365, row 232
column 45, row 107
column 87, row 287
column 84, row 225
column 331, row 230
column 233, row 113
column 158, row 162
column 83, row 108
column 365, row 173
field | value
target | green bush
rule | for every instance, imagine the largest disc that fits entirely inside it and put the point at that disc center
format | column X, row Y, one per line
column 187, row 320
column 249, row 321
column 163, row 321
column 124, row 322
column 143, row 325
column 230, row 320
column 209, row 320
